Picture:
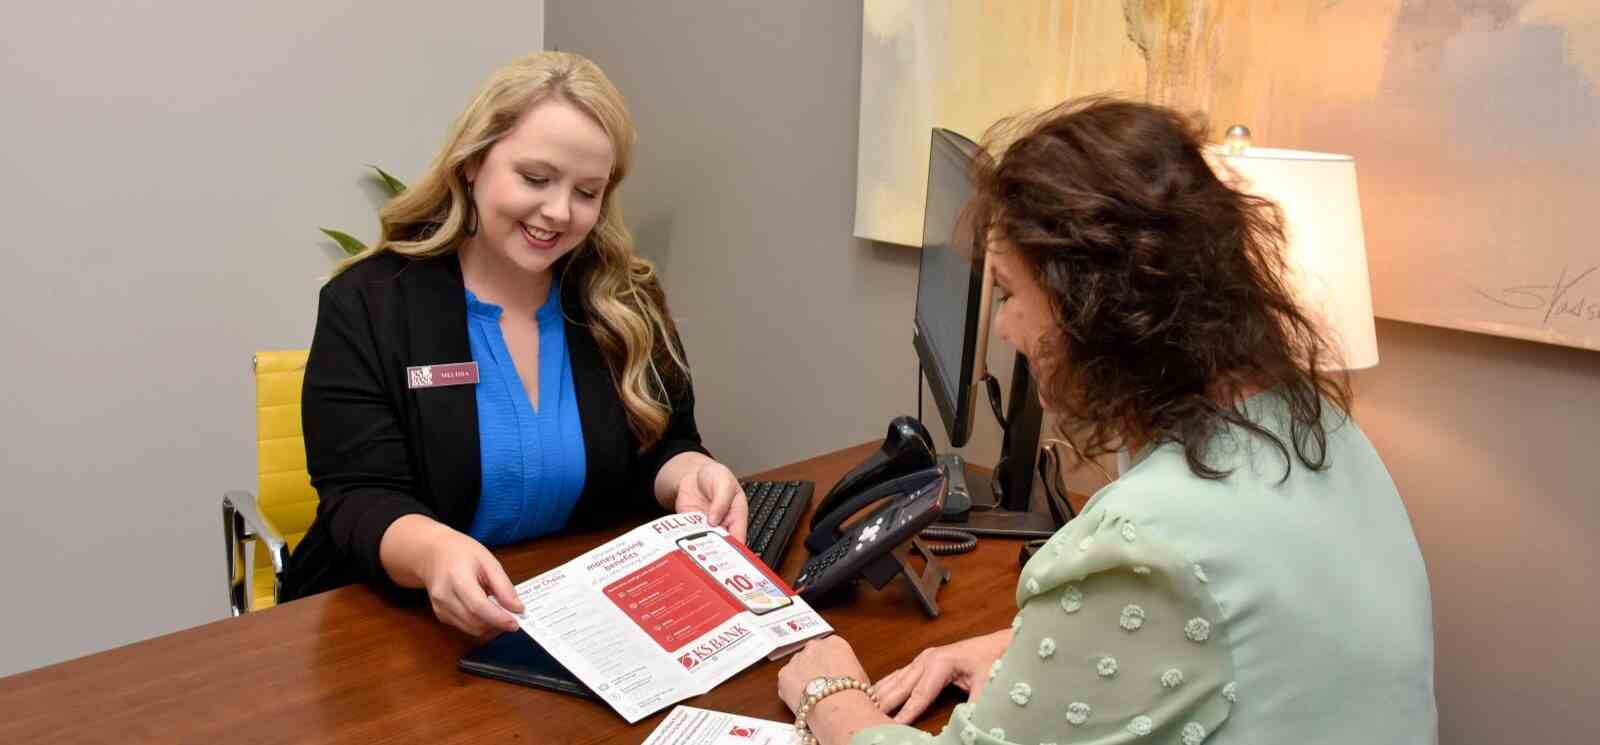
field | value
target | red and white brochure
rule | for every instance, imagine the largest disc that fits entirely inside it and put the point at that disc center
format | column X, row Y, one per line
column 687, row 725
column 664, row 612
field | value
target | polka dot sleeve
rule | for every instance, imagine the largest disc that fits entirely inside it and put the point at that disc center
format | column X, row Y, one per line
column 1118, row 641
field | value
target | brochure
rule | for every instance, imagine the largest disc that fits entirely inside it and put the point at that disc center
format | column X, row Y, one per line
column 687, row 725
column 664, row 612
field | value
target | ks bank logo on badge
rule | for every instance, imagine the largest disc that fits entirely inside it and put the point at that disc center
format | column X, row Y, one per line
column 435, row 376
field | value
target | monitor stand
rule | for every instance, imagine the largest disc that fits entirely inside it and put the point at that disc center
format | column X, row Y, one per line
column 995, row 522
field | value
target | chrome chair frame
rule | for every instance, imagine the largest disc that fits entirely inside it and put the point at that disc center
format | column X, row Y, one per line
column 242, row 523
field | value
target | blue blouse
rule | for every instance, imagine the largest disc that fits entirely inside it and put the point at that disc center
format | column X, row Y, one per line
column 533, row 460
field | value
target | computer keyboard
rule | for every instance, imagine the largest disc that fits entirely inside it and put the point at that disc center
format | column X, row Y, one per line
column 775, row 510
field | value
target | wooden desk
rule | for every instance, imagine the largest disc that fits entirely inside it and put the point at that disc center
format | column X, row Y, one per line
column 347, row 666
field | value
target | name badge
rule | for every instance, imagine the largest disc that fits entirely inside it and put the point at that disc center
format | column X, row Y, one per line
column 438, row 376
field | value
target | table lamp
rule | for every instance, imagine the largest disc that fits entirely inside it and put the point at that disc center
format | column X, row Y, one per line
column 1326, row 249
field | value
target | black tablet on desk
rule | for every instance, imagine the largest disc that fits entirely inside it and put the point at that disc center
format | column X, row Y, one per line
column 515, row 657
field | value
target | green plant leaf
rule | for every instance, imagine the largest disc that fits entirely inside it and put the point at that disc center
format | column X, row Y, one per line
column 346, row 241
column 395, row 185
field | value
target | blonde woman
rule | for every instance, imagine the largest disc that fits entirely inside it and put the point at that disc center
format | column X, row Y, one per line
column 500, row 365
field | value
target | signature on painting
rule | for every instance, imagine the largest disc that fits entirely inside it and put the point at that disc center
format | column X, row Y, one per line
column 1555, row 301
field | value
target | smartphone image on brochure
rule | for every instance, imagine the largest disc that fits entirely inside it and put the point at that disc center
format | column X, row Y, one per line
column 731, row 569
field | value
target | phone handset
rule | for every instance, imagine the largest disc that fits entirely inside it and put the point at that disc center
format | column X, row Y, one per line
column 907, row 448
column 825, row 528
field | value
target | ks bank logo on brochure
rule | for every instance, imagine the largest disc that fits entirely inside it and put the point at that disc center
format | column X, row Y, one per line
column 703, row 652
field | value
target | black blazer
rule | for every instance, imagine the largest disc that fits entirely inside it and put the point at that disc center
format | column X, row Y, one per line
column 377, row 450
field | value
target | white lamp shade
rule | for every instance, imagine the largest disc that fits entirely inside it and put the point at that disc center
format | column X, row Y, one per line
column 1327, row 251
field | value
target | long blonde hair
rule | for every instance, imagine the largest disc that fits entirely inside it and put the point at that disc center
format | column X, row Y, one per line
column 618, row 288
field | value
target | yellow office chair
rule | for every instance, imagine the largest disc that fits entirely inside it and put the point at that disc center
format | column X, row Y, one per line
column 261, row 529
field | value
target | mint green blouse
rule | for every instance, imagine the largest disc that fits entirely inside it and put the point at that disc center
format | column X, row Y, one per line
column 1251, row 609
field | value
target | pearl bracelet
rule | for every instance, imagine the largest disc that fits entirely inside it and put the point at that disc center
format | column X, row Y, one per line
column 834, row 685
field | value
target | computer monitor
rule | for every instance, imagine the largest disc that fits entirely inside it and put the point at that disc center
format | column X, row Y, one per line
column 949, row 285
column 950, row 337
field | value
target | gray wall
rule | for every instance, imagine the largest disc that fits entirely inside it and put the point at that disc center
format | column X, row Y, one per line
column 800, row 339
column 165, row 168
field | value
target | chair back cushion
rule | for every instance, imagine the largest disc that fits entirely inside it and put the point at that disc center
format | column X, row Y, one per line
column 284, row 490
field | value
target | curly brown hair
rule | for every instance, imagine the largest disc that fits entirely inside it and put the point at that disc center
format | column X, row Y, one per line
column 1168, row 286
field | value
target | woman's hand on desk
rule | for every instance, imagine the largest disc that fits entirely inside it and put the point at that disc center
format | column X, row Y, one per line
column 836, row 718
column 461, row 576
column 965, row 664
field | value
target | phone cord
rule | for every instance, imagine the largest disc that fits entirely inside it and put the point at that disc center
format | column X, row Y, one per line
column 948, row 541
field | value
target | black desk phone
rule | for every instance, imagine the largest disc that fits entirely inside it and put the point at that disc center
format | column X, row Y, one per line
column 905, row 477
